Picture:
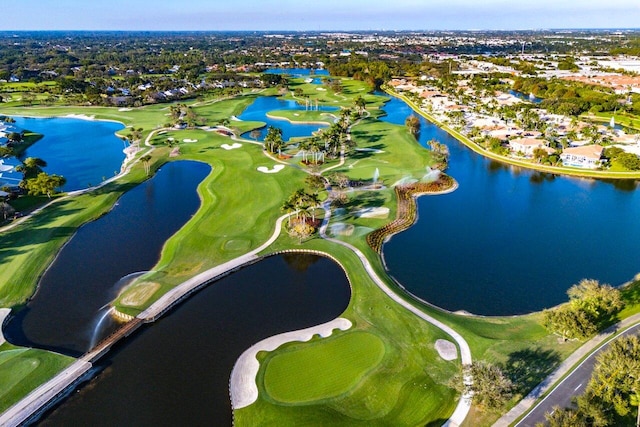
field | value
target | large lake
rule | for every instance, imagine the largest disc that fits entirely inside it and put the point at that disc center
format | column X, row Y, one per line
column 511, row 240
column 85, row 152
column 66, row 312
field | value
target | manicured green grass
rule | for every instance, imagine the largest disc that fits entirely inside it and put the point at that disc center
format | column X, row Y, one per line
column 408, row 384
column 324, row 369
column 22, row 370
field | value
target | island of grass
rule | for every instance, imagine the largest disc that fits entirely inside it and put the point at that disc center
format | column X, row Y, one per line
column 403, row 381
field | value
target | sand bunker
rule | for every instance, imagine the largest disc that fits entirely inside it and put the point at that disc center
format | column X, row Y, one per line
column 370, row 150
column 379, row 212
column 341, row 229
column 80, row 116
column 124, row 109
column 232, row 146
column 244, row 390
column 175, row 152
column 189, row 140
column 446, row 349
column 139, row 293
column 276, row 169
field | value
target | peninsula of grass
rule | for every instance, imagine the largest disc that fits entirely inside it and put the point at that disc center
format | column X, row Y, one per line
column 401, row 380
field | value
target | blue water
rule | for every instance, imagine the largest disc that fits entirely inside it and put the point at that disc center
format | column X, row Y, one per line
column 71, row 295
column 525, row 97
column 85, row 152
column 512, row 240
column 261, row 106
column 297, row 72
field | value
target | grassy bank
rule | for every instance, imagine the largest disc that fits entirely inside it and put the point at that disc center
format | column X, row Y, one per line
column 399, row 378
column 558, row 170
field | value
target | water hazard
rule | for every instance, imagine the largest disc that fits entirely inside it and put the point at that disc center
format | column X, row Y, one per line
column 259, row 109
column 176, row 371
column 68, row 312
column 511, row 240
column 85, row 152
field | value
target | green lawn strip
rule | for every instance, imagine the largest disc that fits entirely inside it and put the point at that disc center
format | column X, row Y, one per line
column 297, row 116
column 324, row 369
column 22, row 370
column 238, row 211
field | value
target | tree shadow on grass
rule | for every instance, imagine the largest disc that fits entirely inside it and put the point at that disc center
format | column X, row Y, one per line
column 527, row 368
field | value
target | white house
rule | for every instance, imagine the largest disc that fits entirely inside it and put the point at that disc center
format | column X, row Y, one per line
column 526, row 146
column 587, row 156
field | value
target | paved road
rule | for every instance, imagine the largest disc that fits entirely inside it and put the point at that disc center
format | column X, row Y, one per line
column 573, row 385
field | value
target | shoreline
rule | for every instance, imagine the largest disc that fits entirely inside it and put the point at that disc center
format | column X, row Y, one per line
column 297, row 122
column 554, row 170
column 4, row 313
column 242, row 384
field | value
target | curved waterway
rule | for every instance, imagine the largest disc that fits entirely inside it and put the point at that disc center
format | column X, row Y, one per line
column 176, row 371
column 511, row 240
column 85, row 152
column 259, row 109
column 68, row 313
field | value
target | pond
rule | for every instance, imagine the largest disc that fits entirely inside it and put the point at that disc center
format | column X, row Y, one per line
column 259, row 109
column 511, row 240
column 85, row 152
column 176, row 371
column 68, row 313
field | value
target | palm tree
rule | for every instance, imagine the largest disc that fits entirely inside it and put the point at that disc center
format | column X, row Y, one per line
column 145, row 161
column 360, row 104
column 273, row 139
column 413, row 124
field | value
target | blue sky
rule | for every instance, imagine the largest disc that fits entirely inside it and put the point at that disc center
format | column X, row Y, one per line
column 322, row 14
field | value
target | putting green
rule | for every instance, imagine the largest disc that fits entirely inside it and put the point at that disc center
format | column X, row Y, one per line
column 324, row 369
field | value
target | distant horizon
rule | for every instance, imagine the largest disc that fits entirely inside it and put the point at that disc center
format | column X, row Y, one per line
column 334, row 30
column 325, row 16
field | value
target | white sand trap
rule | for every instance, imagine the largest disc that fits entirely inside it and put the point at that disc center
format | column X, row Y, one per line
column 341, row 229
column 232, row 146
column 276, row 169
column 124, row 109
column 370, row 150
column 4, row 312
column 235, row 119
column 80, row 116
column 244, row 390
column 189, row 140
column 379, row 212
column 446, row 349
column 321, row 89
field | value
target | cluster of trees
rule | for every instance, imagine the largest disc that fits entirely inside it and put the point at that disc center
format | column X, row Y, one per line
column 612, row 397
column 569, row 98
column 485, row 384
column 591, row 306
column 303, row 205
column 628, row 161
column 37, row 182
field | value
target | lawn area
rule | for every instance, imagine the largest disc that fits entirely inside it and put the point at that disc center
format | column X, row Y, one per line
column 385, row 369
column 22, row 370
column 324, row 369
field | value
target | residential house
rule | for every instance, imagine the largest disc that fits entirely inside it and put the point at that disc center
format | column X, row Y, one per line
column 587, row 156
column 526, row 146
